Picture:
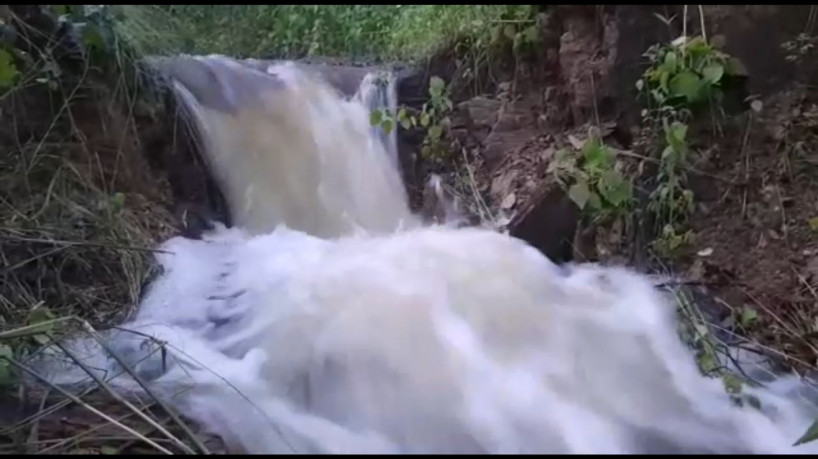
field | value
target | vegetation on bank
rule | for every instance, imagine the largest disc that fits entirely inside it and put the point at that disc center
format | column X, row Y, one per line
column 357, row 32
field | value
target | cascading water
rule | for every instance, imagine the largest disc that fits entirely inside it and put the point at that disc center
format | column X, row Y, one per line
column 331, row 321
column 286, row 149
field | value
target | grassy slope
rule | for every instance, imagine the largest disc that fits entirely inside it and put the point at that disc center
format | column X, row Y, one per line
column 402, row 32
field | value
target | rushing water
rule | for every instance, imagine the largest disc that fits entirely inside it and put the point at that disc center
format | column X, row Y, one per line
column 330, row 320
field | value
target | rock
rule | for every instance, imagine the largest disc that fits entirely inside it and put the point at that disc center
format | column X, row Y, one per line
column 481, row 112
column 548, row 224
column 509, row 201
column 586, row 58
column 512, row 131
column 502, row 184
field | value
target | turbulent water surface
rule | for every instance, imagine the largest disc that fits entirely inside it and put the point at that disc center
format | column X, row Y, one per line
column 330, row 320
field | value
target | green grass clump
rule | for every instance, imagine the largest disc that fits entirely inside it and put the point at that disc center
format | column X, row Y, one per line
column 387, row 32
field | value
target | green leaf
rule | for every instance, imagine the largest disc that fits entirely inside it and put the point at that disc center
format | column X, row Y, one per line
column 617, row 190
column 118, row 201
column 713, row 72
column 735, row 67
column 686, row 84
column 436, row 86
column 6, row 352
column 810, row 435
column 387, row 125
column 594, row 201
column 59, row 10
column 108, row 450
column 732, row 383
column 435, row 132
column 579, row 193
column 813, row 223
column 671, row 61
column 677, row 132
column 39, row 315
column 496, row 32
column 531, row 34
column 6, row 376
column 597, row 155
column 92, row 37
column 664, row 75
column 8, row 71
column 375, row 117
column 748, row 316
column 706, row 362
column 753, row 401
column 698, row 47
column 509, row 31
column 424, row 119
column 640, row 84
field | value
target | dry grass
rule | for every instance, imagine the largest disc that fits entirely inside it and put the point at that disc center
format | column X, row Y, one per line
column 80, row 215
column 94, row 418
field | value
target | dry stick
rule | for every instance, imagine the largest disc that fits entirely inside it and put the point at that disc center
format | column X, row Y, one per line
column 780, row 321
column 144, row 387
column 81, row 243
column 59, row 113
column 32, row 329
column 79, row 436
column 34, row 258
column 746, row 158
column 35, row 429
column 90, row 408
column 222, row 379
column 481, row 205
column 118, row 397
column 57, row 406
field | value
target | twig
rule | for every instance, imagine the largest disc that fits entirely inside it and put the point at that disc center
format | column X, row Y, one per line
column 144, row 387
column 90, row 408
column 32, row 329
column 81, row 243
column 91, row 430
column 221, row 378
column 118, row 397
column 746, row 158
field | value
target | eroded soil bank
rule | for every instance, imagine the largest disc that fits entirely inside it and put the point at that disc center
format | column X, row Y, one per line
column 751, row 167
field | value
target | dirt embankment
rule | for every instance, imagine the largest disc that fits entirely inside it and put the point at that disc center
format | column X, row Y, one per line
column 752, row 169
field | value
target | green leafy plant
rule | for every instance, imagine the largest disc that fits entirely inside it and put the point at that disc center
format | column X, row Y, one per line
column 687, row 72
column 710, row 352
column 433, row 117
column 671, row 201
column 100, row 39
column 683, row 77
column 8, row 69
column 593, row 179
column 403, row 32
